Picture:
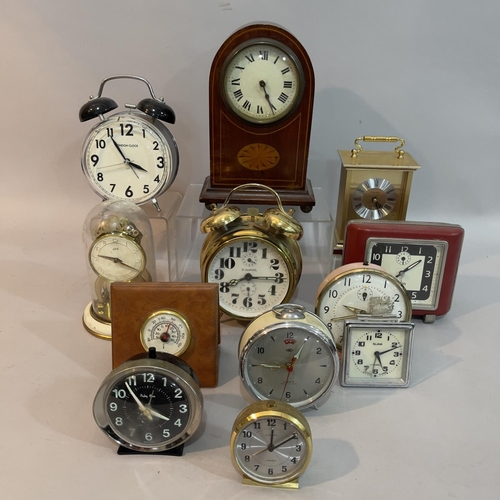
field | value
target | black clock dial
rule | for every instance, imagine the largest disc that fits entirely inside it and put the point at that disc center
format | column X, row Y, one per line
column 148, row 408
column 414, row 265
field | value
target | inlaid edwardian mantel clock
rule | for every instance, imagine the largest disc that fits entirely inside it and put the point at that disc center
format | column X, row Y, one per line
column 261, row 100
column 373, row 185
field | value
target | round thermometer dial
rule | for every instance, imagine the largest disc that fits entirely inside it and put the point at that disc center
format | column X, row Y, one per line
column 167, row 331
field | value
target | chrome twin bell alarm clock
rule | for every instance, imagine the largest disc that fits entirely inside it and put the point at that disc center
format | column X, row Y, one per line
column 129, row 155
column 253, row 257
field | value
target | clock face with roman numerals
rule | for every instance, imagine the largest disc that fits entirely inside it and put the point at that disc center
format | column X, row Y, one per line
column 252, row 276
column 262, row 82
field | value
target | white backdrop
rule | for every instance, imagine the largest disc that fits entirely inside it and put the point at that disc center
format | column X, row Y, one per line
column 424, row 70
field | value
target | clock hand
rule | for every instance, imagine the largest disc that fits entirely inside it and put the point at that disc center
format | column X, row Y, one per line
column 154, row 413
column 297, row 355
column 143, row 409
column 388, row 350
column 138, row 167
column 273, row 367
column 250, row 277
column 293, row 436
column 377, row 359
column 356, row 309
column 378, row 206
column 262, row 84
column 125, row 159
column 411, row 266
column 289, row 367
column 116, row 260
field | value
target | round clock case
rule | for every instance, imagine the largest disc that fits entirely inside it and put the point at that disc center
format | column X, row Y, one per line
column 254, row 257
column 151, row 403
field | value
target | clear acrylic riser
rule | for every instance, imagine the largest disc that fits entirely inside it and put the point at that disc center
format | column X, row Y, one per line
column 164, row 227
column 316, row 243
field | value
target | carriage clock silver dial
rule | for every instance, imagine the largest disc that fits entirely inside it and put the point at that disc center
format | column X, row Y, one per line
column 374, row 198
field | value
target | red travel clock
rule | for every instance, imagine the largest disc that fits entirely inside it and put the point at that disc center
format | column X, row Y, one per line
column 423, row 256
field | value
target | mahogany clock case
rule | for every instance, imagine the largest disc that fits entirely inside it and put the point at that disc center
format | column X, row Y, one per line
column 133, row 303
column 358, row 233
column 232, row 136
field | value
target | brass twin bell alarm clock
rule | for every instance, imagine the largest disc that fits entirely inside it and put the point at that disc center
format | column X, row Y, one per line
column 254, row 257
column 129, row 155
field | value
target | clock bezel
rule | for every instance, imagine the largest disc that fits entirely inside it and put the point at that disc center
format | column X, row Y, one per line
column 349, row 332
column 300, row 82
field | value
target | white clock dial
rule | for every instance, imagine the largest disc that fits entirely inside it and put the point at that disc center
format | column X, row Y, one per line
column 125, row 157
column 360, row 291
column 418, row 265
column 262, row 82
column 252, row 276
column 115, row 257
column 166, row 331
column 377, row 354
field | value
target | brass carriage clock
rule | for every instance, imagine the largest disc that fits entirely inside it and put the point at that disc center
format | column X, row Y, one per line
column 261, row 92
column 373, row 185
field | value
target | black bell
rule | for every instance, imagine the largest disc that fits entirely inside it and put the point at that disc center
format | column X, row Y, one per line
column 95, row 107
column 157, row 109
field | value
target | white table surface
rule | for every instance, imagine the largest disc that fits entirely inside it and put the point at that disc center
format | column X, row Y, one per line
column 438, row 439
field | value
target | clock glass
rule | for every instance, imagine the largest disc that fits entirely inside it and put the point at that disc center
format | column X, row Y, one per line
column 418, row 265
column 252, row 274
column 125, row 157
column 262, row 81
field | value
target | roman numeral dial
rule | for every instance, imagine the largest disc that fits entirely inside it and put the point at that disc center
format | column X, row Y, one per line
column 262, row 82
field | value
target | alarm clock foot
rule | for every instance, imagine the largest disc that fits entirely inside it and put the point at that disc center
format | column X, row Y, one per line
column 178, row 451
column 94, row 325
column 429, row 318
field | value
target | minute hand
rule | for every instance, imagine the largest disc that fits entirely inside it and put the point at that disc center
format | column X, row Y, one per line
column 411, row 266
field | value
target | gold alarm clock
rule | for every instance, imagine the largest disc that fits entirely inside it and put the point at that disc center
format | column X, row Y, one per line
column 254, row 257
column 271, row 444
column 373, row 185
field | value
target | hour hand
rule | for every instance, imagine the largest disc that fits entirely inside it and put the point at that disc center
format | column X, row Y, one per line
column 135, row 165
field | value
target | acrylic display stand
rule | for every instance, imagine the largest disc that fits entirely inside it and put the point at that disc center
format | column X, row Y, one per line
column 316, row 243
column 164, row 228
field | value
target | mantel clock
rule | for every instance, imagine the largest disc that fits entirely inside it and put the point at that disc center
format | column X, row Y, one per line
column 261, row 100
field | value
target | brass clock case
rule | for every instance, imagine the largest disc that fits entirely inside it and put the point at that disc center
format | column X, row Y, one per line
column 373, row 184
column 256, row 416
